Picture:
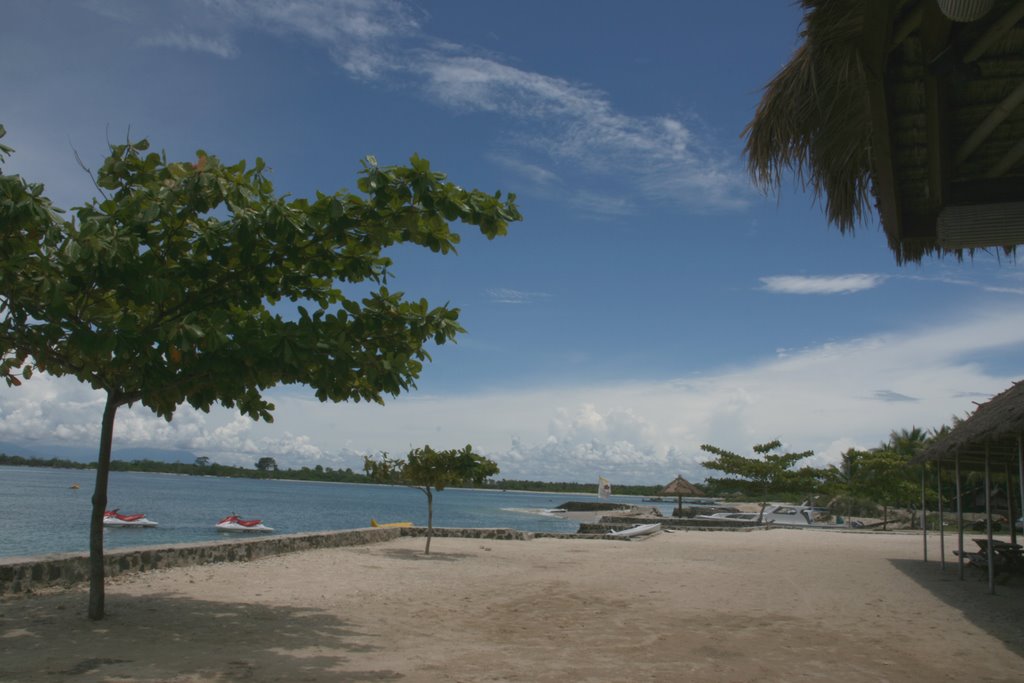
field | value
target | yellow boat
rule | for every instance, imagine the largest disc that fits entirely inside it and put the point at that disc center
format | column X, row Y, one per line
column 376, row 524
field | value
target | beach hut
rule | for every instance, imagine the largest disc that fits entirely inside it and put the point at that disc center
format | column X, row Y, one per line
column 679, row 487
column 910, row 107
column 990, row 440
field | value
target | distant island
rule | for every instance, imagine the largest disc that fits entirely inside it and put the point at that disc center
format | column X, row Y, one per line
column 266, row 468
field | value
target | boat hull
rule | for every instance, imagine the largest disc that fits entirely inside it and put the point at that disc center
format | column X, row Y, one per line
column 138, row 524
column 638, row 530
column 238, row 528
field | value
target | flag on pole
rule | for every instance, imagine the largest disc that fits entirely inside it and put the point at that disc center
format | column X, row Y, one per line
column 604, row 487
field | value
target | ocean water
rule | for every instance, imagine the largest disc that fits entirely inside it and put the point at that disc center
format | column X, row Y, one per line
column 41, row 514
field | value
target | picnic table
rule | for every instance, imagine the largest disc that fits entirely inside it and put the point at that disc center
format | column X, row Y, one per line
column 1007, row 557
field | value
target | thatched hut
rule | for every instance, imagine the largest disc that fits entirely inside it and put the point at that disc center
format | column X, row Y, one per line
column 994, row 429
column 912, row 106
column 990, row 440
column 679, row 487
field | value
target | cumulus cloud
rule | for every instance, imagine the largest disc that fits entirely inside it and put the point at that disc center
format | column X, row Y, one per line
column 829, row 284
column 826, row 399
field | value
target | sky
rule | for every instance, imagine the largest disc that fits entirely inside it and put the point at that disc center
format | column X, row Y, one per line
column 651, row 300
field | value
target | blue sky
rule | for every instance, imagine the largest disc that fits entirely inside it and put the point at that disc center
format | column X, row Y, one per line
column 651, row 300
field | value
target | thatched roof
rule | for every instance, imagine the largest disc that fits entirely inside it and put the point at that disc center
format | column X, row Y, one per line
column 680, row 487
column 996, row 424
column 890, row 103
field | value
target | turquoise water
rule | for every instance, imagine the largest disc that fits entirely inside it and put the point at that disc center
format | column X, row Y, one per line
column 40, row 514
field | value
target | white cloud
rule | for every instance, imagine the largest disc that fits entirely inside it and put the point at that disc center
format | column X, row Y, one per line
column 221, row 46
column 826, row 399
column 826, row 284
column 502, row 295
column 538, row 175
column 658, row 156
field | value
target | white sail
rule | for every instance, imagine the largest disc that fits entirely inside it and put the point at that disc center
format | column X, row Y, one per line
column 604, row 488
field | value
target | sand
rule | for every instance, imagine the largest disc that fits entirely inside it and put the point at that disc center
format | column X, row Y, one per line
column 780, row 605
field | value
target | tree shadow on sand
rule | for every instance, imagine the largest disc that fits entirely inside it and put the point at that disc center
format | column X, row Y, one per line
column 1000, row 615
column 166, row 637
column 417, row 555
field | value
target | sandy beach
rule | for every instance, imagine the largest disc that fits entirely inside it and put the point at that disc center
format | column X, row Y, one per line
column 781, row 605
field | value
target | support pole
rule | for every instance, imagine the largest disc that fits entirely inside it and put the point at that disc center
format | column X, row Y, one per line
column 1009, row 504
column 1020, row 473
column 942, row 529
column 959, row 517
column 924, row 516
column 989, row 551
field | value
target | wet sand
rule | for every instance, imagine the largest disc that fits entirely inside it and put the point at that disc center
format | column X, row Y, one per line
column 780, row 605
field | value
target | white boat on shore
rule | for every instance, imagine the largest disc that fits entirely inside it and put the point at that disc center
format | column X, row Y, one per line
column 637, row 530
column 783, row 514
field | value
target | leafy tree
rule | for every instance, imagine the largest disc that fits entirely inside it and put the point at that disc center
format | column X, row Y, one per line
column 202, row 461
column 166, row 289
column 759, row 476
column 887, row 479
column 266, row 464
column 429, row 470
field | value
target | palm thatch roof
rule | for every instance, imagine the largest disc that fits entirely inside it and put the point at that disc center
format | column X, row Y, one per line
column 996, row 425
column 680, row 487
column 891, row 105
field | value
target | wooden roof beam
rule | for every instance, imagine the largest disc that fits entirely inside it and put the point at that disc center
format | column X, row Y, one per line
column 935, row 33
column 985, row 128
column 995, row 32
column 875, row 41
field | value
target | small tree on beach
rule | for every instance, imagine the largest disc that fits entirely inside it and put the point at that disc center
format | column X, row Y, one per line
column 762, row 476
column 429, row 470
column 169, row 289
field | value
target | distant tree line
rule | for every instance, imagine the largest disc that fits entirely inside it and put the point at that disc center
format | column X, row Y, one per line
column 866, row 482
column 267, row 467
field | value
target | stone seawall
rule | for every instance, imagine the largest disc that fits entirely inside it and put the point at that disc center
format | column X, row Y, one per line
column 27, row 574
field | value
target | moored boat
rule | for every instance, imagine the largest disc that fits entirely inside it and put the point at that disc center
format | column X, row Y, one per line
column 786, row 515
column 114, row 518
column 637, row 530
column 374, row 523
column 235, row 523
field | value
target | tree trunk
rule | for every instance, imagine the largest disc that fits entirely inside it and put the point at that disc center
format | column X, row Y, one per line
column 99, row 506
column 885, row 518
column 430, row 519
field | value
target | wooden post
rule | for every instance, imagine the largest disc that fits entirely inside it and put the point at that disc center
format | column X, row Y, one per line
column 989, row 552
column 924, row 515
column 959, row 516
column 1009, row 504
column 1020, row 473
column 942, row 530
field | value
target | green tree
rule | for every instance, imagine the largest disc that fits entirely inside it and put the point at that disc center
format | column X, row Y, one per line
column 266, row 464
column 167, row 289
column 770, row 473
column 429, row 470
column 886, row 477
column 202, row 462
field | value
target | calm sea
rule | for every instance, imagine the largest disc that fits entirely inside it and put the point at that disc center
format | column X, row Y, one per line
column 40, row 513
